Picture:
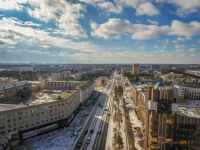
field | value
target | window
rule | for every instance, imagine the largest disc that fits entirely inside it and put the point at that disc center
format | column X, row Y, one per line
column 19, row 113
column 8, row 116
column 9, row 131
column 8, row 120
column 14, row 124
column 14, row 119
column 21, row 127
column 9, row 126
column 3, row 132
column 20, row 118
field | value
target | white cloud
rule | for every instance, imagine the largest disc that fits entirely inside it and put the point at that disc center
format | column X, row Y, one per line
column 151, row 55
column 180, row 46
column 193, row 45
column 166, row 41
column 184, row 39
column 156, row 47
column 179, row 50
column 142, row 47
column 109, row 7
column 184, row 7
column 193, row 50
column 63, row 13
column 147, row 9
column 161, row 51
column 175, row 41
column 193, row 55
column 168, row 55
column 183, row 55
column 152, row 22
column 13, row 32
column 116, row 26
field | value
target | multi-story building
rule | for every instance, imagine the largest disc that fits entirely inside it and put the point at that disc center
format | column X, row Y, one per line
column 136, row 69
column 10, row 90
column 189, row 92
column 155, row 107
column 155, row 66
column 86, row 90
column 37, row 85
column 7, row 80
column 62, row 85
column 18, row 117
column 60, row 76
column 10, row 66
column 24, row 69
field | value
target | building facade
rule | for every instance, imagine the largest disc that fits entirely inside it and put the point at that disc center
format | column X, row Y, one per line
column 60, row 76
column 136, row 69
column 62, row 85
column 155, row 66
column 10, row 90
column 86, row 90
column 6, row 81
column 16, row 117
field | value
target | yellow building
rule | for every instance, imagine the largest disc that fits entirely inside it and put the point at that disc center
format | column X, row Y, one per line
column 136, row 69
column 6, row 81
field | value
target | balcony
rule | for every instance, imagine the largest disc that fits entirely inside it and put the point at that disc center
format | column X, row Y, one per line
column 155, row 139
column 153, row 145
column 153, row 133
column 170, row 128
column 170, row 121
column 153, row 120
column 153, row 127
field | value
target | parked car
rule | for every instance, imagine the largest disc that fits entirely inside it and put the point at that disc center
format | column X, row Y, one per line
column 88, row 140
column 109, row 114
column 86, row 131
column 91, row 131
column 106, row 109
column 99, row 131
column 79, row 144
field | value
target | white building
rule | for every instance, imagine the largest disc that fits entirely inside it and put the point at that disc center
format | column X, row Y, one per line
column 189, row 92
column 60, row 76
column 23, row 69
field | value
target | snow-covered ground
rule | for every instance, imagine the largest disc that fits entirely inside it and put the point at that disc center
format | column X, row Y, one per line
column 61, row 139
column 190, row 112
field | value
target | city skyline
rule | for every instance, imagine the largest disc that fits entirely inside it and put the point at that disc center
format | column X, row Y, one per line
column 96, row 31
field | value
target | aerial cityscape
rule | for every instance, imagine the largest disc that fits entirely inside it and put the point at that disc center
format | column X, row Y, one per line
column 99, row 75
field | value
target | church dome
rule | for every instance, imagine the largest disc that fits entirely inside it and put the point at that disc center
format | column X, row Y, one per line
column 160, row 84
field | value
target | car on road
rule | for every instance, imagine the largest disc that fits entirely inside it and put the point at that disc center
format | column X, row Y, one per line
column 106, row 109
column 79, row 144
column 88, row 140
column 109, row 114
column 86, row 131
column 91, row 131
column 99, row 131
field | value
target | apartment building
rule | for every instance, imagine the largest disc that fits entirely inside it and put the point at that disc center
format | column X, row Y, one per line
column 189, row 92
column 10, row 90
column 187, row 129
column 158, row 120
column 86, row 90
column 18, row 117
column 136, row 69
column 37, row 85
column 7, row 80
column 60, row 76
column 155, row 66
column 62, row 85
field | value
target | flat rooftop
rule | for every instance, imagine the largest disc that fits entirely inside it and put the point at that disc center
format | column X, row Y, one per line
column 66, row 81
column 189, row 112
column 67, row 93
column 16, row 84
column 4, row 107
column 140, row 87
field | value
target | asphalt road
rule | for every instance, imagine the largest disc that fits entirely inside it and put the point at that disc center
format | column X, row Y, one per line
column 100, row 139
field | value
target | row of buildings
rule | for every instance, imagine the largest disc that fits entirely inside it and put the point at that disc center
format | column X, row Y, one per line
column 21, row 117
column 165, row 125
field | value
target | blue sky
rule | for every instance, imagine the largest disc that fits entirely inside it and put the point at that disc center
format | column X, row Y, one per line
column 100, row 31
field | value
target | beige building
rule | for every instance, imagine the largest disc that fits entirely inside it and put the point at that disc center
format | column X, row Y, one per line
column 16, row 117
column 10, row 90
column 62, row 85
column 136, row 69
column 86, row 90
column 60, row 76
column 6, row 81
column 37, row 85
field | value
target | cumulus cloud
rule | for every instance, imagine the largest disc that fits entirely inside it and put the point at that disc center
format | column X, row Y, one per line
column 168, row 55
column 193, row 45
column 156, row 47
column 116, row 26
column 151, row 55
column 184, row 7
column 13, row 31
column 161, row 51
column 193, row 50
column 142, row 47
column 193, row 55
column 152, row 22
column 183, row 55
column 180, row 46
column 147, row 9
column 166, row 41
column 179, row 50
